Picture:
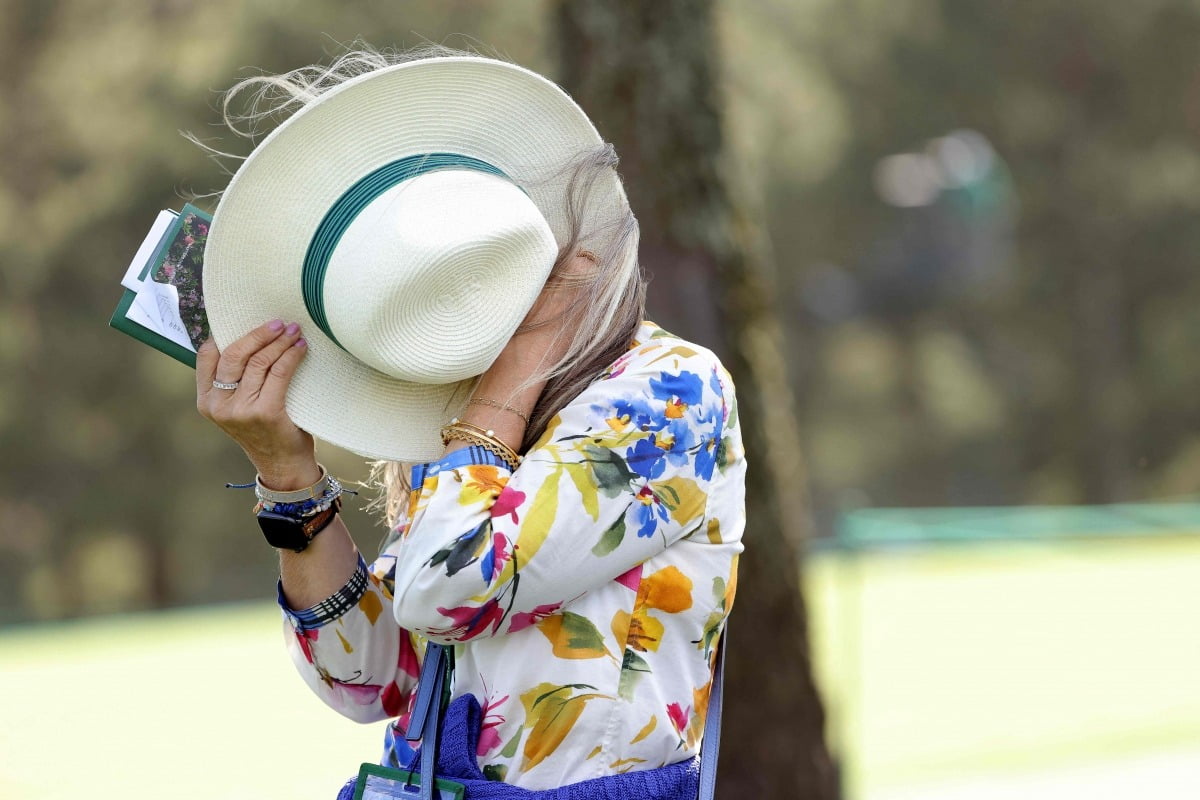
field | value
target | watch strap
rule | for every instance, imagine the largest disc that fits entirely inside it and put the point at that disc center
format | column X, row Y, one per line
column 320, row 521
column 296, row 533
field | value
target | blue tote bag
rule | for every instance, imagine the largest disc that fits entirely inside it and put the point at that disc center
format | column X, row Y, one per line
column 451, row 731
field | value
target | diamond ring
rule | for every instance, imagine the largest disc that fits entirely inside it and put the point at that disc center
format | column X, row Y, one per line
column 227, row 386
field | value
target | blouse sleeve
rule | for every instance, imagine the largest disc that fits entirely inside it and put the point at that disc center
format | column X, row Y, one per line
column 619, row 475
column 350, row 651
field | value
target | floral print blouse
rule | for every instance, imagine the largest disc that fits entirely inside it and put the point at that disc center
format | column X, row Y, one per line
column 584, row 593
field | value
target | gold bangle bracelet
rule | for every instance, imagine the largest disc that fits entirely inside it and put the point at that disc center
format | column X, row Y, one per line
column 454, row 431
column 482, row 435
column 488, row 432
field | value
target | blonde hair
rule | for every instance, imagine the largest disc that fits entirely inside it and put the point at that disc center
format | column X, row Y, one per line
column 610, row 301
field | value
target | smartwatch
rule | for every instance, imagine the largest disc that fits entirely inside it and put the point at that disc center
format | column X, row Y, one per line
column 291, row 533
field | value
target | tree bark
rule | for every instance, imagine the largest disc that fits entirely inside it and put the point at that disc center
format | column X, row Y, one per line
column 647, row 74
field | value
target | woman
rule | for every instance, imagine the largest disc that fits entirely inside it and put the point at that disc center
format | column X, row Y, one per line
column 576, row 540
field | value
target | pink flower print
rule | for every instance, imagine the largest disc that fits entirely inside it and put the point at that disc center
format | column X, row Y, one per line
column 507, row 504
column 492, row 564
column 408, row 663
column 526, row 619
column 400, row 725
column 393, row 700
column 619, row 365
column 631, row 579
column 303, row 638
column 358, row 694
column 470, row 621
column 679, row 717
column 189, row 240
column 489, row 737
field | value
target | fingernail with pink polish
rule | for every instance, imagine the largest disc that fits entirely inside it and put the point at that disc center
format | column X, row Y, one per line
column 301, row 342
column 292, row 328
column 275, row 326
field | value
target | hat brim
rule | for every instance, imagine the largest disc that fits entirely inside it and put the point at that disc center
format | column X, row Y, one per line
column 491, row 110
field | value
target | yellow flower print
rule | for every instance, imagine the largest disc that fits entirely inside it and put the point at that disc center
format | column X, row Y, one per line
column 551, row 711
column 699, row 712
column 642, row 632
column 667, row 590
column 619, row 423
column 646, row 730
column 573, row 636
column 481, row 484
column 418, row 498
column 723, row 593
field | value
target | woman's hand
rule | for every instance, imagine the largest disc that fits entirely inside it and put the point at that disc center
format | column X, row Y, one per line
column 262, row 363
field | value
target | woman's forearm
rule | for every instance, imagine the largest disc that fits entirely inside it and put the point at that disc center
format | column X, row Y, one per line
column 310, row 576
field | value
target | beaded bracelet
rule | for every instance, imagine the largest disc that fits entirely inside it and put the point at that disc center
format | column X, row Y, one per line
column 301, row 503
column 310, row 507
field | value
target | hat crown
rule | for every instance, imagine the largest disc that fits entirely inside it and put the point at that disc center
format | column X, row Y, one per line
column 430, row 280
column 267, row 255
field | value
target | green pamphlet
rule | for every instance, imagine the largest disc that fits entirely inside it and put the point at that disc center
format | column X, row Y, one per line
column 163, row 301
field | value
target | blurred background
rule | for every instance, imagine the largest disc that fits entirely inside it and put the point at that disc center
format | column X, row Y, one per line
column 947, row 248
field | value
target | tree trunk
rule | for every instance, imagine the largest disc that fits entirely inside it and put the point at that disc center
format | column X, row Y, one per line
column 647, row 73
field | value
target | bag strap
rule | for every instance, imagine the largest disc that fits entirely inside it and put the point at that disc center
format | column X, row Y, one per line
column 710, row 747
column 434, row 684
column 432, row 687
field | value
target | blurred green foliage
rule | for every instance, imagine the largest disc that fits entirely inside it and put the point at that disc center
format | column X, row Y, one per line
column 1022, row 336
column 111, row 483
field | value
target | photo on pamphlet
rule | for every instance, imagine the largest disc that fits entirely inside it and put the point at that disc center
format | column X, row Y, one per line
column 182, row 268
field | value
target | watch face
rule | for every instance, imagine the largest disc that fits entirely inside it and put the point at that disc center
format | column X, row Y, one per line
column 282, row 532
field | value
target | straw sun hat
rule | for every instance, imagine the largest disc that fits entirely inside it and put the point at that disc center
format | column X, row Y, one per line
column 407, row 219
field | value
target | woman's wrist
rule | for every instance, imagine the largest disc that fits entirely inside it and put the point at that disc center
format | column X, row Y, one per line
column 507, row 407
column 288, row 476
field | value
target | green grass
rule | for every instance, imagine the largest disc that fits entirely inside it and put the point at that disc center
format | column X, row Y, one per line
column 938, row 663
column 946, row 662
column 200, row 704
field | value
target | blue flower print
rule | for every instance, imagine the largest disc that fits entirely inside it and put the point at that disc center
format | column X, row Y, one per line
column 646, row 458
column 639, row 413
column 397, row 753
column 649, row 511
column 706, row 456
column 679, row 438
column 714, row 383
column 686, row 387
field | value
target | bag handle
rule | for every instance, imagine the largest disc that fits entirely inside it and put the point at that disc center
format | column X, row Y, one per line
column 434, row 683
column 432, row 687
column 710, row 748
